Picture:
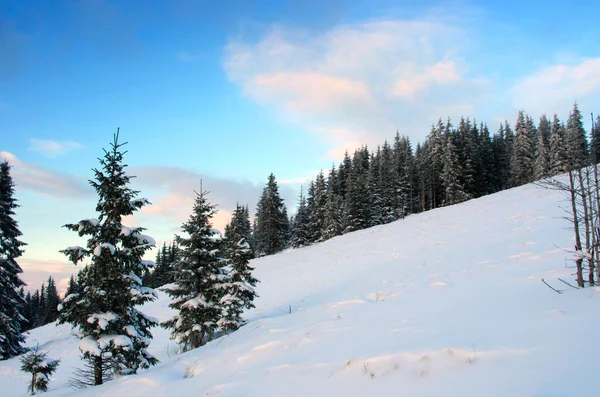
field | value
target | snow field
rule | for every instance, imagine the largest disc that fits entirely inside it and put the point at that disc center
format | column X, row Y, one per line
column 444, row 303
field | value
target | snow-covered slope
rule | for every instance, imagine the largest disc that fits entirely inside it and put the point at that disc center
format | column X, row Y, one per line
column 444, row 303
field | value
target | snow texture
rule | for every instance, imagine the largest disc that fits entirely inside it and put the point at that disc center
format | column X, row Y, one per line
column 444, row 303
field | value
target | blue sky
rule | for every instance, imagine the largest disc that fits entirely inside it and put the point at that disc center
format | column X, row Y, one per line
column 230, row 91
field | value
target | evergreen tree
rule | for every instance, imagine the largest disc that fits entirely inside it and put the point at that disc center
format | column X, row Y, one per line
column 542, row 152
column 52, row 302
column 37, row 363
column 197, row 289
column 576, row 140
column 595, row 144
column 114, row 334
column 240, row 287
column 238, row 228
column 374, row 190
column 402, row 177
column 454, row 192
column 271, row 221
column 72, row 287
column 559, row 156
column 300, row 226
column 356, row 214
column 12, row 305
column 316, row 203
column 521, row 164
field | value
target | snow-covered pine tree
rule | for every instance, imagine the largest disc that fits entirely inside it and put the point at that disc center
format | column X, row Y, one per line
column 332, row 224
column 52, row 302
column 37, row 363
column 595, row 144
column 434, row 161
column 238, row 289
column 454, row 192
column 375, row 189
column 559, row 156
column 542, row 152
column 521, row 164
column 403, row 184
column 72, row 287
column 199, row 275
column 576, row 140
column 237, row 228
column 12, row 305
column 271, row 222
column 300, row 230
column 315, row 205
column 114, row 334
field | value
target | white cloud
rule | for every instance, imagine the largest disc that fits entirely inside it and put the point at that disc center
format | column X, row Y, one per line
column 357, row 84
column 52, row 149
column 32, row 177
column 175, row 201
column 553, row 89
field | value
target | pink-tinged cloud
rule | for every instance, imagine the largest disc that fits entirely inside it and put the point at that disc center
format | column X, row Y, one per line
column 36, row 272
column 358, row 84
column 555, row 88
column 310, row 92
column 413, row 83
column 32, row 177
column 174, row 199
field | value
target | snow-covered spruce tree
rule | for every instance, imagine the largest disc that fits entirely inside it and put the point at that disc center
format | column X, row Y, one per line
column 12, row 305
column 300, row 226
column 521, row 164
column 37, row 363
column 237, row 228
column 238, row 287
column 577, row 144
column 199, row 276
column 271, row 222
column 114, row 334
column 453, row 190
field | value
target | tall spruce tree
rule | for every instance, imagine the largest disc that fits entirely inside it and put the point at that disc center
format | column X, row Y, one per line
column 199, row 276
column 12, row 305
column 52, row 302
column 239, row 286
column 271, row 221
column 595, row 144
column 576, row 140
column 114, row 334
column 300, row 226
column 521, row 164
column 559, row 155
column 454, row 192
column 542, row 151
column 238, row 228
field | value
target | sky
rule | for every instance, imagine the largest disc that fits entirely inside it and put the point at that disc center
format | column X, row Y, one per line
column 228, row 92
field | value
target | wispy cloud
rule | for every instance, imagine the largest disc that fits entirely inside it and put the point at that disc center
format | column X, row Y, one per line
column 177, row 185
column 185, row 56
column 29, row 176
column 52, row 149
column 356, row 84
column 554, row 88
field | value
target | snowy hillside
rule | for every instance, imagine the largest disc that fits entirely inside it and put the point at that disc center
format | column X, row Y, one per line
column 445, row 303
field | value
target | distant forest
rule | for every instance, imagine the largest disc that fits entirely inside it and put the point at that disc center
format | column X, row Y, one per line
column 371, row 187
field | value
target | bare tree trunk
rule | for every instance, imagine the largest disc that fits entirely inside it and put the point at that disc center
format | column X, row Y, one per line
column 578, row 261
column 584, row 187
column 591, row 248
